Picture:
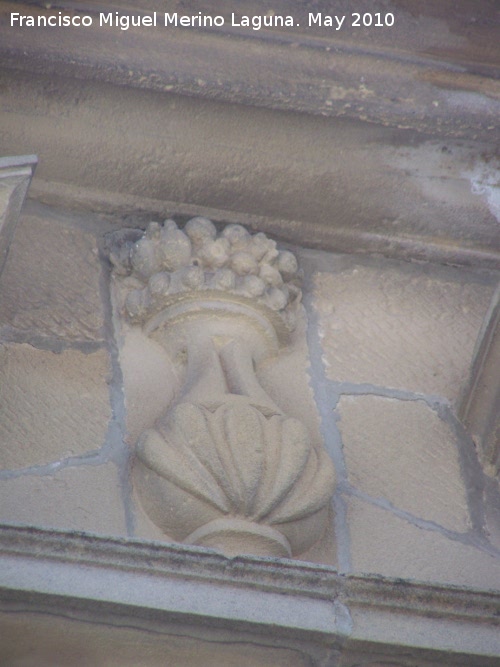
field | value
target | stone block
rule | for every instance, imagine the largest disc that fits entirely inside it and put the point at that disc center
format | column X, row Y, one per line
column 144, row 528
column 86, row 498
column 149, row 379
column 52, row 406
column 492, row 512
column 382, row 543
column 15, row 177
column 55, row 641
column 403, row 452
column 400, row 326
column 50, row 284
column 295, row 398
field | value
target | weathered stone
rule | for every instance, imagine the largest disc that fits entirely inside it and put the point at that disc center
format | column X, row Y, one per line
column 382, row 543
column 52, row 406
column 168, row 266
column 223, row 465
column 480, row 405
column 403, row 452
column 149, row 380
column 234, row 479
column 492, row 512
column 297, row 397
column 50, row 284
column 50, row 640
column 84, row 498
column 493, row 526
column 15, row 177
column 400, row 326
column 144, row 527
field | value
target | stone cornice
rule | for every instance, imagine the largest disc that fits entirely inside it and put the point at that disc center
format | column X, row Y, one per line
column 425, row 95
column 405, row 88
column 171, row 560
column 430, row 600
column 180, row 583
column 335, row 239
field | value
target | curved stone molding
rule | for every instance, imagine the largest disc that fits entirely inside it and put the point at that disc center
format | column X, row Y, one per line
column 224, row 467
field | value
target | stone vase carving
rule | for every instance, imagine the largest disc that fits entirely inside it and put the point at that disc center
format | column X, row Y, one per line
column 224, row 467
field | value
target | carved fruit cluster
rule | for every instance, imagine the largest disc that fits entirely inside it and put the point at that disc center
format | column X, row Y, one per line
column 167, row 263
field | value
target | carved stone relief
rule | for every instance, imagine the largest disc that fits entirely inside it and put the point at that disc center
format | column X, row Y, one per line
column 224, row 466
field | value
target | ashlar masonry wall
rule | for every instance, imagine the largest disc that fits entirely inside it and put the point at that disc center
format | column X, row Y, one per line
column 390, row 350
column 385, row 353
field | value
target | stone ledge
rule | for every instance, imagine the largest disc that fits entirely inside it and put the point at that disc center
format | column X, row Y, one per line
column 231, row 65
column 311, row 603
column 124, row 209
column 170, row 560
column 432, row 601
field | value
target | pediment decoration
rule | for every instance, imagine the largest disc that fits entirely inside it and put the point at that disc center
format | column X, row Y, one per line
column 224, row 466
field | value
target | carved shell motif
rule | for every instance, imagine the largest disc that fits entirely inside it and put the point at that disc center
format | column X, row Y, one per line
column 239, row 463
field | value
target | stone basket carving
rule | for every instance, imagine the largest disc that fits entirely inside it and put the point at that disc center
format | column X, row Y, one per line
column 224, row 467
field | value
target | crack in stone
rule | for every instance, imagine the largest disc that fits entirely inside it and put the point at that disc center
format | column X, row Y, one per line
column 472, row 472
column 326, row 400
column 54, row 344
column 93, row 458
column 470, row 538
column 143, row 628
column 433, row 401
column 115, row 447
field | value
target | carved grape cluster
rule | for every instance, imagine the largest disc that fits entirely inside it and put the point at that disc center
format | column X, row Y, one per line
column 167, row 262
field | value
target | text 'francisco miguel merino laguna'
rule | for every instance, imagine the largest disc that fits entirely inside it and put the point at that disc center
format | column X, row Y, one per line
column 126, row 21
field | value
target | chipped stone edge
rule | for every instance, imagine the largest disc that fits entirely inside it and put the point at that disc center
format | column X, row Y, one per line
column 480, row 406
column 23, row 167
column 62, row 571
